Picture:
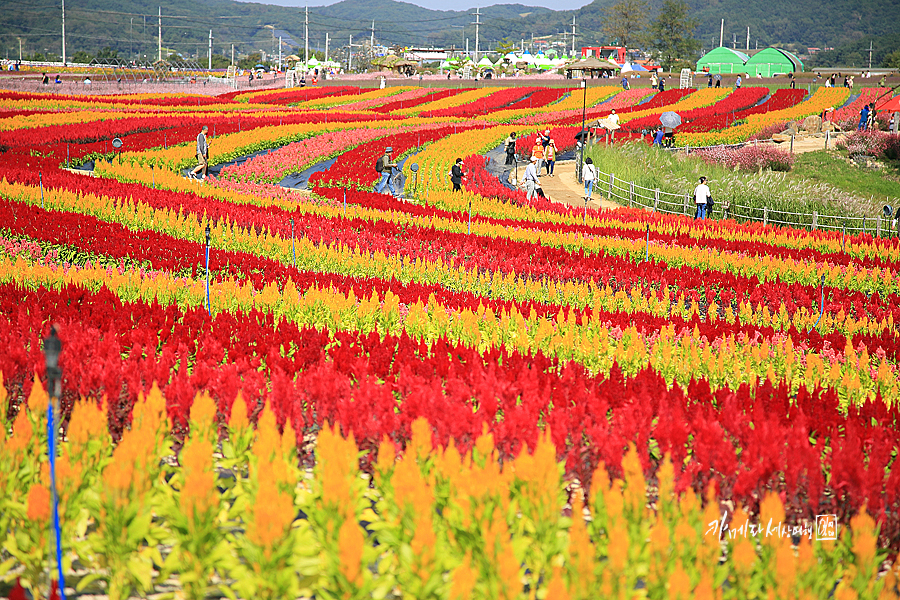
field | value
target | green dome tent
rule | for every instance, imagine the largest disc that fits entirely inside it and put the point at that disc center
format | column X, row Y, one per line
column 773, row 61
column 723, row 60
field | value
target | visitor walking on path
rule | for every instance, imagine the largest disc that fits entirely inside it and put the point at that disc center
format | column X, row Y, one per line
column 701, row 197
column 550, row 157
column 894, row 121
column 863, row 118
column 202, row 154
column 718, row 80
column 510, row 147
column 457, row 175
column 385, row 167
column 658, row 137
column 737, row 84
column 537, row 151
column 531, row 178
column 589, row 175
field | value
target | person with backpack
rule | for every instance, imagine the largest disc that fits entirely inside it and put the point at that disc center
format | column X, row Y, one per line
column 385, row 168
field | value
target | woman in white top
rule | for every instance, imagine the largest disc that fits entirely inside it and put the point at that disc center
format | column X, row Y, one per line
column 701, row 195
column 588, row 174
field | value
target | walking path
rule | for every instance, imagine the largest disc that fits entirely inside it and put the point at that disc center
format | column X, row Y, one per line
column 565, row 189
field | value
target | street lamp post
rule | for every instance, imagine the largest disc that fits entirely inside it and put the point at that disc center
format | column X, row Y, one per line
column 583, row 119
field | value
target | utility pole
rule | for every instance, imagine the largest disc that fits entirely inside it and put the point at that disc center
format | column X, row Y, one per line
column 232, row 55
column 734, row 41
column 64, row 32
column 20, row 49
column 209, row 66
column 306, row 28
column 477, row 24
column 350, row 55
column 326, row 46
column 372, row 40
column 573, row 36
column 721, row 32
column 748, row 38
column 132, row 39
column 870, row 53
column 279, row 53
column 160, row 34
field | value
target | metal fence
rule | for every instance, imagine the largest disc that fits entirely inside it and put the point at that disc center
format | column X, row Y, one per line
column 630, row 194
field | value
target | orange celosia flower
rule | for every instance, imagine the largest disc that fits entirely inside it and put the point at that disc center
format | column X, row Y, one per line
column 337, row 468
column 581, row 551
column 270, row 516
column 743, row 554
column 198, row 494
column 38, row 400
column 38, row 503
column 556, row 589
column 864, row 540
column 239, row 420
column 463, row 579
column 420, row 443
column 203, row 416
column 387, row 454
column 350, row 551
column 410, row 490
column 785, row 569
column 87, row 423
column 771, row 510
column 635, row 495
column 679, row 584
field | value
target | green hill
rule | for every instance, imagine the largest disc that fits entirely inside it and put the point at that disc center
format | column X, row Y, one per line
column 130, row 26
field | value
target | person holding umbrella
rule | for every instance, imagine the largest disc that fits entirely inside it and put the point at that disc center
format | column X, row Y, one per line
column 670, row 120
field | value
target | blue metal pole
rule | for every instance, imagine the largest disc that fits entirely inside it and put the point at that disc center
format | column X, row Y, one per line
column 470, row 217
column 345, row 204
column 41, row 178
column 293, row 251
column 821, row 305
column 208, row 303
column 57, row 530
column 647, row 254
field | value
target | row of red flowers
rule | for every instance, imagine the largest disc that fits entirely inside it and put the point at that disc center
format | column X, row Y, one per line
column 746, row 442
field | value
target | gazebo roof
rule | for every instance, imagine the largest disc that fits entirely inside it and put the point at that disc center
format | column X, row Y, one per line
column 591, row 63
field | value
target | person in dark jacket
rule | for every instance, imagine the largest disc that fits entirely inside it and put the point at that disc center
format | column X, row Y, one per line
column 457, row 175
column 510, row 148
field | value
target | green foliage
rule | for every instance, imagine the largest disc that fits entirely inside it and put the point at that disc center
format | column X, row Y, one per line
column 855, row 53
column 671, row 36
column 892, row 60
column 792, row 192
column 504, row 47
column 625, row 21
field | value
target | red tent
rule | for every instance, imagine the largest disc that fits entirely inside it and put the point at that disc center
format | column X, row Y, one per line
column 888, row 104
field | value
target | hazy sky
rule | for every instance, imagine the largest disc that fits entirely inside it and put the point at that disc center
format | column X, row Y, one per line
column 444, row 5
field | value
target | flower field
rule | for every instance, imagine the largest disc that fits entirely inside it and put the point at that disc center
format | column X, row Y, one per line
column 446, row 396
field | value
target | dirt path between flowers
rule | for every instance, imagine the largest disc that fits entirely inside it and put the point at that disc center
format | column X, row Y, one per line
column 565, row 189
